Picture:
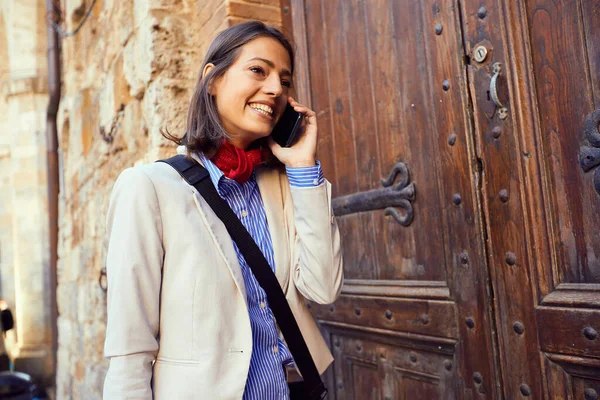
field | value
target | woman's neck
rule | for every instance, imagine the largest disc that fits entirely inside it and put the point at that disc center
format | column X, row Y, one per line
column 239, row 142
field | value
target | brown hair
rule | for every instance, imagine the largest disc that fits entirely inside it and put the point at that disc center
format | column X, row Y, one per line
column 205, row 132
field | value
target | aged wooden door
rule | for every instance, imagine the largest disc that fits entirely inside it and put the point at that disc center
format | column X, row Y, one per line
column 462, row 138
column 536, row 98
column 388, row 81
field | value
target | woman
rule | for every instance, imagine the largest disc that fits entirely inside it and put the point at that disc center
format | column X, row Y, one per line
column 186, row 317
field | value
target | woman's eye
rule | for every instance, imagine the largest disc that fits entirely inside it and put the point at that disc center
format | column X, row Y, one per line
column 257, row 70
column 287, row 84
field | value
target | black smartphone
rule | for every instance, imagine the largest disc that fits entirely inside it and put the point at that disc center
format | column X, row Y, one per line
column 288, row 127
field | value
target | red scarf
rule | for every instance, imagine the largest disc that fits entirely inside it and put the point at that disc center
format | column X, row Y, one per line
column 236, row 163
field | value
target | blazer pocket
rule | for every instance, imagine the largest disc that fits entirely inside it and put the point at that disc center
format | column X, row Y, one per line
column 173, row 361
column 236, row 351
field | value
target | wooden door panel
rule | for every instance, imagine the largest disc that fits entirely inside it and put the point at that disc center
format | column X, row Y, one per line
column 570, row 377
column 541, row 207
column 436, row 318
column 396, row 81
column 566, row 66
column 411, row 386
column 367, row 137
column 569, row 331
column 565, row 61
column 402, row 372
column 387, row 81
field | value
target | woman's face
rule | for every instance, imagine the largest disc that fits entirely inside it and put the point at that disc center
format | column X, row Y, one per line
column 252, row 94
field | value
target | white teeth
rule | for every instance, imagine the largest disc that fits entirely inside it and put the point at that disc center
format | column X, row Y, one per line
column 262, row 108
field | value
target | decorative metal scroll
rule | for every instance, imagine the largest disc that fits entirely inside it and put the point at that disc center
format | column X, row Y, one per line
column 392, row 196
column 589, row 153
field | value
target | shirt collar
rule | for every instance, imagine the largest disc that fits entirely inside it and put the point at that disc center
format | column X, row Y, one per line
column 217, row 176
column 215, row 173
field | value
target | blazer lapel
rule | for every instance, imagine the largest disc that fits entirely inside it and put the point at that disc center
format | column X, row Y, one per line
column 220, row 236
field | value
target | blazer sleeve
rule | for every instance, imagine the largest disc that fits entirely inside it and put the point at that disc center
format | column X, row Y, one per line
column 133, row 267
column 318, row 273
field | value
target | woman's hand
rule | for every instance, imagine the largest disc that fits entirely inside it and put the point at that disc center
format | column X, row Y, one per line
column 303, row 152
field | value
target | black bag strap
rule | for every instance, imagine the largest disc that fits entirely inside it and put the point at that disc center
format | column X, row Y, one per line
column 197, row 176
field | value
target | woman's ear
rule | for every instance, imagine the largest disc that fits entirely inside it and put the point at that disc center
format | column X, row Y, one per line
column 207, row 68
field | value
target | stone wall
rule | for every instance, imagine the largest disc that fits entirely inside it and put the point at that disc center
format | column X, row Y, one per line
column 128, row 72
column 24, row 257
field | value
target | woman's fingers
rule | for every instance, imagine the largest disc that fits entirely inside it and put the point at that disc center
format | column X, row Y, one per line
column 273, row 145
column 311, row 116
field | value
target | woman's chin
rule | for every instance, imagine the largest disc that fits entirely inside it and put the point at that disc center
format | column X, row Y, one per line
column 260, row 134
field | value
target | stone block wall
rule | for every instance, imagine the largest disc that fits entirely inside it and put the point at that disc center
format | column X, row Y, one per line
column 24, row 257
column 129, row 72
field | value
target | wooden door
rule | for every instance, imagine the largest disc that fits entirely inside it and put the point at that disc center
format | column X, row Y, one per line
column 388, row 81
column 482, row 279
column 541, row 197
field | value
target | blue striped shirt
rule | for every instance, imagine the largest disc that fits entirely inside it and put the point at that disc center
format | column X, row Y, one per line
column 266, row 379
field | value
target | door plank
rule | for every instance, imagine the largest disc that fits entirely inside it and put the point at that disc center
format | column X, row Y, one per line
column 429, row 317
column 449, row 106
column 364, row 138
column 511, row 262
column 569, row 331
column 590, row 13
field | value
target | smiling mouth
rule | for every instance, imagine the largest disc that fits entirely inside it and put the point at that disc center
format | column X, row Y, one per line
column 262, row 109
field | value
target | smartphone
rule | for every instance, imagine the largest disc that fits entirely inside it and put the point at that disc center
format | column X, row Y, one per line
column 288, row 127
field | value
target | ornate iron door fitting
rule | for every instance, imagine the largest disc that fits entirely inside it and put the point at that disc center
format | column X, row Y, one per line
column 399, row 195
column 589, row 153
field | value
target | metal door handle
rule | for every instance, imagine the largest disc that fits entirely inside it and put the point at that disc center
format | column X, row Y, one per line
column 497, row 69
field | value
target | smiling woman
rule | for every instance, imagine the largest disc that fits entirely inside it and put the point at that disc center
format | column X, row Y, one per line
column 252, row 94
column 173, row 271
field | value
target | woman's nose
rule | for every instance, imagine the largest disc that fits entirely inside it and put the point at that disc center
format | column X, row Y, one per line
column 273, row 86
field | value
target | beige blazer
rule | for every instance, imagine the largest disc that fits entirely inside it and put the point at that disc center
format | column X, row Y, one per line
column 178, row 325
